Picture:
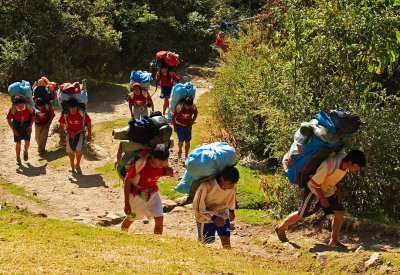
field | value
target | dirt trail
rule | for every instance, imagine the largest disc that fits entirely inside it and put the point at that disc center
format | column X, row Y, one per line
column 88, row 197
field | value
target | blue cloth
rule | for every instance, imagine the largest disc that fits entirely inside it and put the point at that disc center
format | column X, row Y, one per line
column 141, row 76
column 165, row 92
column 180, row 91
column 204, row 161
column 21, row 88
column 206, row 231
column 184, row 134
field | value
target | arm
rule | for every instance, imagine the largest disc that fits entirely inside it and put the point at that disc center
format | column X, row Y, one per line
column 61, row 132
column 127, row 190
column 89, row 130
column 200, row 207
column 232, row 206
column 130, row 106
column 52, row 115
column 12, row 127
column 150, row 100
column 173, row 117
column 29, row 130
column 338, row 192
column 194, row 116
column 168, row 171
column 317, row 180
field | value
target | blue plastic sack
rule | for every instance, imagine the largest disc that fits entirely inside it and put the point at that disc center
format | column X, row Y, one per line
column 20, row 88
column 180, row 91
column 206, row 160
column 141, row 76
column 81, row 97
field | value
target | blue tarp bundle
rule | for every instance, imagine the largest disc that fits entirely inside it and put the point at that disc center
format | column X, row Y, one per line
column 81, row 97
column 204, row 161
column 143, row 77
column 180, row 91
column 21, row 88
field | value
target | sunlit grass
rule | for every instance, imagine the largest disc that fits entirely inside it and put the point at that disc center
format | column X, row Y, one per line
column 18, row 191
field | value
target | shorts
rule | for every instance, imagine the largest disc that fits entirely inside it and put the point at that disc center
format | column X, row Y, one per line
column 75, row 144
column 310, row 204
column 21, row 128
column 149, row 208
column 206, row 231
column 165, row 92
column 184, row 134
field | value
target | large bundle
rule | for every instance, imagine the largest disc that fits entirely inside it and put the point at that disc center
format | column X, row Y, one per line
column 314, row 141
column 180, row 91
column 204, row 161
column 130, row 151
column 73, row 91
column 150, row 131
column 168, row 59
column 142, row 77
column 44, row 93
column 21, row 88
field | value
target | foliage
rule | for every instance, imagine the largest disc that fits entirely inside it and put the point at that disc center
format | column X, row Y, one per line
column 319, row 55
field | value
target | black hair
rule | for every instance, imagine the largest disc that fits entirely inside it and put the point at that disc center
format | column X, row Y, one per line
column 20, row 99
column 356, row 156
column 160, row 152
column 39, row 102
column 230, row 174
column 188, row 101
column 73, row 103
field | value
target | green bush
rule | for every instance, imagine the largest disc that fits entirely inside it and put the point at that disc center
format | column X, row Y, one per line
column 319, row 55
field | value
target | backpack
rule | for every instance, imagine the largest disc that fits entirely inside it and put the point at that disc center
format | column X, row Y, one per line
column 313, row 143
column 44, row 93
column 69, row 92
column 150, row 130
column 206, row 161
column 136, row 157
column 179, row 92
column 142, row 77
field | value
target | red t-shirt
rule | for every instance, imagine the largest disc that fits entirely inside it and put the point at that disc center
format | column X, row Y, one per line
column 167, row 80
column 75, row 123
column 44, row 115
column 137, row 100
column 184, row 116
column 148, row 176
column 20, row 116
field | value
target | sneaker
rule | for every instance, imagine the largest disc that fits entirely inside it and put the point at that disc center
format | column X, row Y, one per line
column 337, row 244
column 26, row 155
column 78, row 170
column 281, row 235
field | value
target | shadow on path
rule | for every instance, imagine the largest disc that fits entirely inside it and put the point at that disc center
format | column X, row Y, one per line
column 31, row 171
column 88, row 181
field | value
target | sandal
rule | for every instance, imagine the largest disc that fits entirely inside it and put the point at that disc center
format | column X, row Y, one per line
column 18, row 160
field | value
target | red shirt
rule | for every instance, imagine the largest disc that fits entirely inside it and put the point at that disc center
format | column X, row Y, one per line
column 167, row 80
column 137, row 100
column 184, row 116
column 44, row 115
column 148, row 176
column 20, row 116
column 75, row 123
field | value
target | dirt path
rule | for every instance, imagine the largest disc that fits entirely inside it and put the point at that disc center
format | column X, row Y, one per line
column 88, row 198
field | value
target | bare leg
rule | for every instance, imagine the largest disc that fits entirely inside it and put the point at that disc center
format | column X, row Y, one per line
column 158, row 227
column 291, row 219
column 18, row 149
column 166, row 104
column 337, row 225
column 226, row 242
column 187, row 148
column 78, row 158
column 26, row 145
column 126, row 224
column 180, row 145
column 72, row 160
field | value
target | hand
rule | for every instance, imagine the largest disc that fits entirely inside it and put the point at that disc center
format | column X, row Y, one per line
column 219, row 222
column 29, row 130
column 89, row 138
column 168, row 172
column 127, row 209
column 324, row 202
column 231, row 216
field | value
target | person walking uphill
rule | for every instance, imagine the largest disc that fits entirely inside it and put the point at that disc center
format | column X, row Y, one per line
column 141, row 190
column 43, row 121
column 75, row 121
column 20, row 119
column 324, row 191
column 183, row 117
column 166, row 79
column 214, row 205
column 139, row 101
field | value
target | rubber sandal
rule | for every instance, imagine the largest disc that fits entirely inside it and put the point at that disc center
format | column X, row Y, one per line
column 337, row 244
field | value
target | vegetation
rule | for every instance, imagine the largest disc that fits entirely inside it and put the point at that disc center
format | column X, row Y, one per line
column 18, row 191
column 303, row 57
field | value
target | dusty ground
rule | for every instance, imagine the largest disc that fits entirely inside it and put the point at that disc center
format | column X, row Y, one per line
column 88, row 197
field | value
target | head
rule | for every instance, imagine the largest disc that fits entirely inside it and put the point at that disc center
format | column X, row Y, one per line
column 159, row 156
column 136, row 88
column 20, row 102
column 355, row 160
column 228, row 177
column 73, row 107
column 39, row 103
column 188, row 102
column 164, row 70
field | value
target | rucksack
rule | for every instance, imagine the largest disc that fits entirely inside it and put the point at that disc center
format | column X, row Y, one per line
column 167, row 58
column 44, row 93
column 150, row 130
column 69, row 92
column 142, row 77
column 179, row 92
column 136, row 157
column 313, row 143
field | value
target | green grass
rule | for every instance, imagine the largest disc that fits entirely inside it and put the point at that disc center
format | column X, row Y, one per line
column 78, row 248
column 108, row 172
column 203, row 128
column 254, row 216
column 249, row 194
column 167, row 188
column 18, row 191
